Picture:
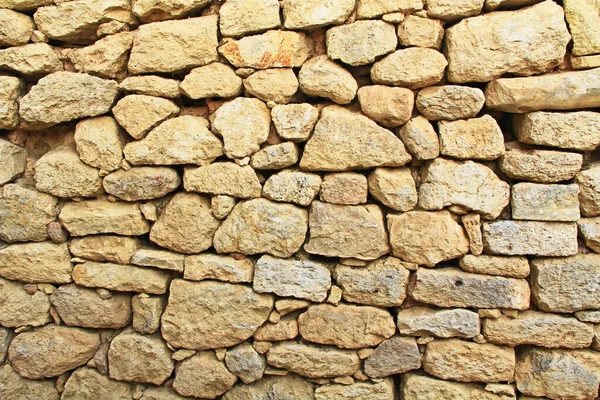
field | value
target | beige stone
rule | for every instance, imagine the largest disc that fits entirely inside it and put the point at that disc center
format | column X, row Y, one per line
column 451, row 287
column 585, row 62
column 395, row 188
column 51, row 350
column 287, row 306
column 78, row 306
column 36, row 262
column 347, row 188
column 221, row 205
column 146, row 313
column 589, row 228
column 322, row 77
column 173, row 46
column 361, row 42
column 417, row 386
column 141, row 183
column 311, row 14
column 203, row 375
column 530, row 238
column 587, row 180
column 389, row 106
column 262, row 226
column 285, row 329
column 514, row 267
column 493, row 5
column 150, row 257
column 11, row 89
column 212, row 315
column 89, row 383
column 451, row 102
column 161, row 393
column 421, row 32
column 273, row 49
column 32, row 60
column 16, row 28
column 566, row 285
column 472, row 224
column 212, row 80
column 13, row 159
column 111, row 248
column 376, row 8
column 583, row 19
column 383, row 390
column 290, row 386
column 156, row 10
column 539, row 329
column 19, row 308
column 243, row 17
column 562, row 91
column 125, row 278
column 420, row 139
column 313, row 361
column 277, row 84
column 219, row 267
column 469, row 362
column 245, row 362
column 292, row 186
column 294, row 122
column 14, row 387
column 425, row 321
column 453, row 9
column 223, row 178
column 138, row 114
column 393, row 356
column 151, row 85
column 100, row 216
column 534, row 201
column 6, row 337
column 278, row 156
column 476, row 138
column 107, row 58
column 180, row 140
column 364, row 326
column 100, row 142
column 24, row 5
column 413, row 68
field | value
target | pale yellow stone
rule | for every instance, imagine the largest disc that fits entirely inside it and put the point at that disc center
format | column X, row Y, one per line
column 36, row 262
column 583, row 17
column 534, row 201
column 311, row 14
column 285, row 329
column 472, row 224
column 361, row 42
column 218, row 267
column 243, row 17
column 11, row 89
column 156, row 10
column 19, row 308
column 294, row 122
column 212, row 80
column 376, row 8
column 322, row 77
column 585, row 62
column 492, row 5
column 12, row 157
column 15, row 28
column 146, row 313
column 141, row 183
column 151, row 85
column 589, row 228
column 287, row 306
column 443, row 323
column 453, row 9
column 15, row 387
column 221, row 205
column 421, row 32
column 150, row 257
column 277, row 84
column 123, row 278
column 389, row 106
column 88, row 382
column 589, row 192
column 106, row 58
column 476, row 138
column 32, row 60
column 347, row 188
column 514, row 267
column 278, row 156
column 111, row 248
column 138, row 114
column 290, row 386
column 222, row 178
column 292, row 186
column 413, row 68
column 394, row 188
column 100, row 142
column 383, row 390
column 418, row 386
column 450, row 102
column 420, row 139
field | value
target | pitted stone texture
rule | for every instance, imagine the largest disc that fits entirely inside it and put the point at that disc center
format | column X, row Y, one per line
column 24, row 5
column 279, row 387
column 453, row 9
column 418, row 387
column 147, row 311
column 11, row 89
column 450, row 102
column 89, row 383
column 389, row 106
column 218, row 267
column 294, row 122
column 361, row 42
column 349, row 188
column 393, row 356
column 311, row 14
column 421, row 32
column 278, row 156
column 100, row 142
column 275, row 84
column 19, row 308
column 425, row 321
column 212, row 315
column 141, row 183
column 14, row 387
column 32, row 60
column 451, row 287
column 322, row 77
column 203, row 375
column 36, row 262
column 123, row 278
column 476, row 138
column 112, row 248
column 589, row 228
column 16, row 28
column 534, row 201
column 212, row 80
column 376, row 8
column 151, row 85
column 583, row 19
column 107, row 58
column 420, row 139
column 514, row 267
column 243, row 17
column 394, row 188
column 139, row 113
column 285, row 329
column 383, row 390
column 413, row 68
column 589, row 191
column 223, row 178
column 156, row 10
column 161, row 393
column 292, row 186
column 245, row 362
column 12, row 157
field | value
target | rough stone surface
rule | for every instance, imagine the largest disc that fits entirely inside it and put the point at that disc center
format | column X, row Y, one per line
column 100, row 142
column 11, row 89
column 278, row 156
column 310, row 14
column 389, row 106
column 421, row 32
column 242, row 17
column 125, row 278
column 141, row 183
column 361, row 42
column 19, row 308
column 212, row 80
column 322, row 77
column 534, row 201
column 294, row 122
column 139, row 113
column 36, row 262
column 32, row 60
column 146, row 313
column 347, row 188
column 156, row 10
column 149, row 257
column 589, row 191
column 450, row 102
column 276, row 84
column 245, row 362
column 89, row 383
column 279, row 387
column 223, row 178
column 394, row 188
column 476, row 138
column 514, row 267
column 413, row 68
column 13, row 386
column 375, row 8
column 16, row 28
column 111, row 248
column 583, row 20
column 393, row 356
column 416, row 387
column 13, row 159
column 425, row 321
column 151, row 85
column 589, row 228
column 420, row 139
column 203, row 375
column 107, row 58
column 219, row 267
column 292, row 186
column 383, row 390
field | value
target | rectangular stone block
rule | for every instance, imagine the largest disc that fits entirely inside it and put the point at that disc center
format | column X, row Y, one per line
column 532, row 201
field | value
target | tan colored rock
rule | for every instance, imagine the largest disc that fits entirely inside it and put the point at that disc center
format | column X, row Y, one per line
column 78, row 306
column 290, row 386
column 202, row 375
column 6, row 337
column 292, row 187
column 469, row 362
column 138, row 114
column 14, row 387
column 106, row 58
column 11, row 89
column 589, row 228
column 412, row 68
column 421, row 32
column 313, row 361
column 156, row 10
column 589, row 193
column 364, row 326
column 383, row 390
column 361, row 42
column 13, row 159
column 585, row 62
column 124, row 278
column 149, row 257
column 245, row 362
column 36, row 262
column 287, row 306
column 285, row 329
column 278, row 156
column 530, row 238
column 24, row 5
column 294, row 122
column 583, row 19
column 563, row 91
column 221, row 205
column 322, row 77
column 451, row 102
column 180, row 140
column 514, row 267
column 89, row 383
column 389, row 106
column 51, row 350
column 277, row 84
column 453, row 10
column 556, row 379
column 311, row 14
column 412, row 237
column 539, row 329
column 173, row 46
column 19, row 308
column 151, row 85
column 100, row 142
column 186, row 225
column 420, row 139
column 417, row 386
column 100, row 216
column 476, row 138
column 243, row 17
column 32, row 60
column 451, row 287
column 262, row 226
column 212, row 80
column 472, row 225
column 147, row 311
column 425, row 321
column 212, row 315
column 376, row 8
column 218, row 267
column 273, row 49
column 141, row 183
column 393, row 356
column 394, row 188
column 492, row 5
column 111, row 248
column 543, row 166
column 534, row 201
column 161, row 393
column 566, row 285
column 349, row 188
column 16, row 28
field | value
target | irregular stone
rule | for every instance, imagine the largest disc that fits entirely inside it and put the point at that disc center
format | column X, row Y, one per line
column 146, row 313
column 100, row 142
column 277, row 156
column 451, row 287
column 453, row 10
column 16, row 28
column 141, row 183
column 156, row 10
column 51, row 350
column 450, row 102
column 383, row 390
column 292, row 186
column 245, row 362
column 161, row 393
column 243, row 17
column 11, row 89
column 583, row 20
column 311, row 14
column 185, row 225
column 36, row 262
column 49, row 102
column 476, row 138
column 148, row 257
column 376, row 8
column 472, row 224
column 421, row 32
column 322, row 77
column 417, row 386
column 100, row 216
column 212, row 80
column 413, row 68
column 347, row 188
column 364, row 326
column 492, row 5
column 138, row 113
column 19, row 308
column 514, row 267
column 425, row 321
column 139, row 358
column 174, row 46
column 13, row 387
column 294, row 122
column 202, row 375
column 24, row 5
column 32, row 60
column 558, row 374
column 361, row 42
column 273, row 49
column 151, row 85
column 111, row 248
column 287, row 306
column 221, row 205
column 539, row 329
column 13, row 159
column 393, row 356
column 567, row 284
column 106, row 58
column 180, row 140
column 394, row 188
column 278, row 387
column 530, row 238
column 225, row 178
column 218, row 267
column 534, row 201
column 420, row 139
column 277, row 84
column 262, row 226
column 469, row 362
column 313, row 361
column 207, row 314
column 563, row 91
column 589, row 228
column 285, row 329
column 543, row 166
column 78, row 306
column 91, row 384
column 123, row 278
column 389, row 106
column 589, row 191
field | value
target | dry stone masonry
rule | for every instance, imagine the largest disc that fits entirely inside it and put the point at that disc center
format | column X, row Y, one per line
column 299, row 199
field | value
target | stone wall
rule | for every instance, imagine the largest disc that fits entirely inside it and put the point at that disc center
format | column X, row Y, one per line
column 299, row 199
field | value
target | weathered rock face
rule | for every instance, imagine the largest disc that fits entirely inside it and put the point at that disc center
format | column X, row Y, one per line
column 589, row 228
column 19, row 308
column 225, row 178
column 420, row 138
column 36, row 262
column 421, row 32
column 320, row 76
column 107, row 58
column 141, row 183
column 88, row 382
column 514, row 267
column 245, row 362
column 425, row 321
column 361, row 42
column 13, row 386
column 383, row 390
column 277, row 84
column 583, row 23
column 450, row 102
column 387, row 105
column 219, row 267
column 139, row 113
column 533, row 201
column 310, row 14
column 290, row 386
column 587, row 180
column 294, row 122
column 124, row 278
column 111, row 248
column 476, row 138
column 202, row 375
column 374, row 8
column 222, row 82
column 32, row 60
column 413, row 68
column 416, row 386
column 13, row 158
column 100, row 142
column 292, row 186
column 12, row 89
column 239, row 17
column 153, row 10
column 393, row 356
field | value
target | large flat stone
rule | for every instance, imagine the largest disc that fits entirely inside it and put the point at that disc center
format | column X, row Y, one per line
column 124, row 278
column 36, row 262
